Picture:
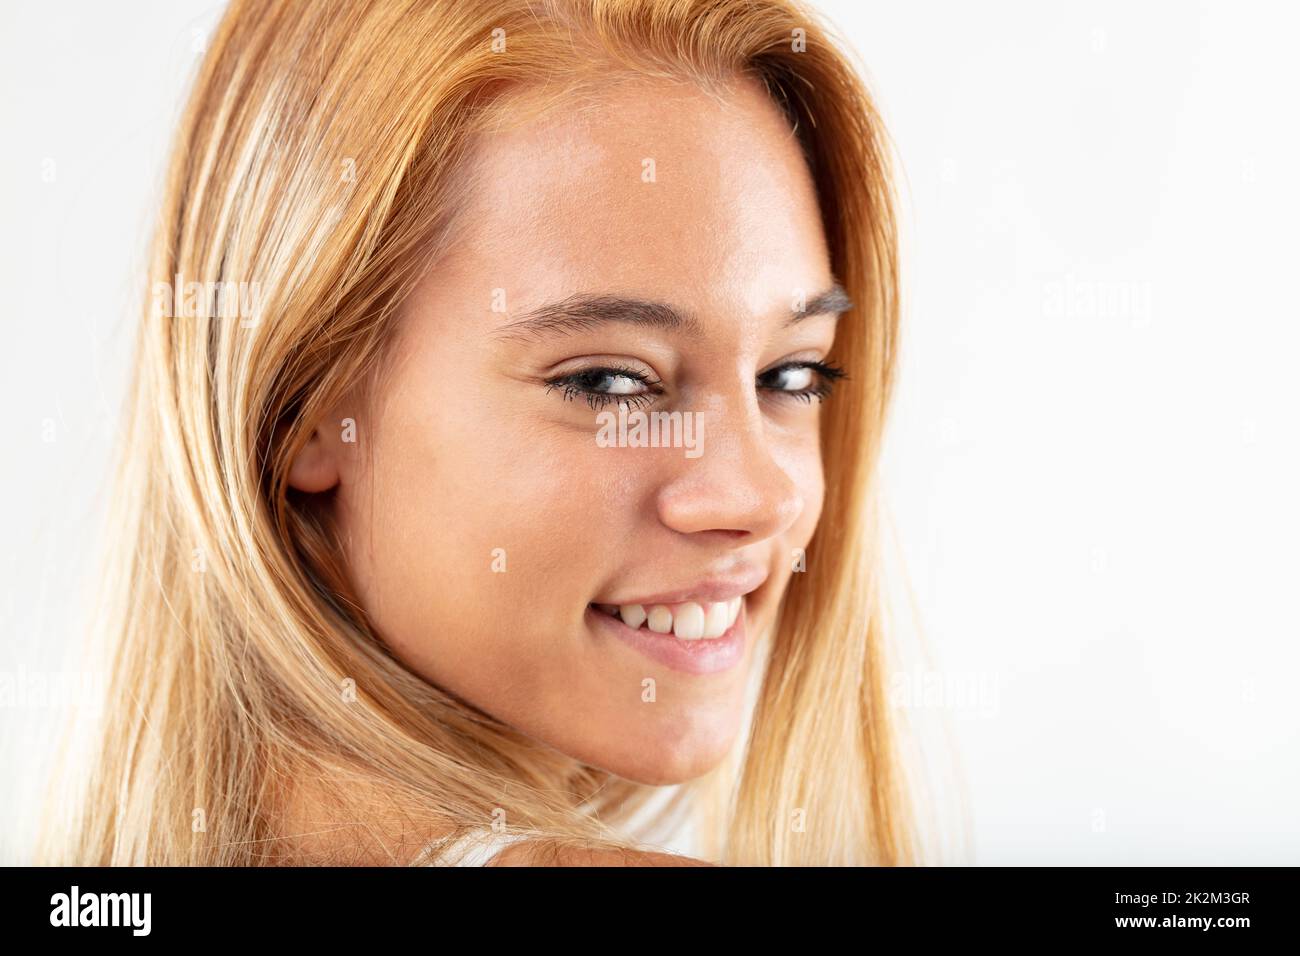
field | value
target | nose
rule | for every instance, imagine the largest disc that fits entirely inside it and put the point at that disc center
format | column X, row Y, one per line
column 738, row 486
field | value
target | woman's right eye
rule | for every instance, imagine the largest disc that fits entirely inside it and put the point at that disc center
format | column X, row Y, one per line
column 601, row 386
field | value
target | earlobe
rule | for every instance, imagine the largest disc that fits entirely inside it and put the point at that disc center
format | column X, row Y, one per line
column 315, row 468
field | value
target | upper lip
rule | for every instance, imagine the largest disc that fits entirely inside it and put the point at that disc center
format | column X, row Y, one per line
column 714, row 588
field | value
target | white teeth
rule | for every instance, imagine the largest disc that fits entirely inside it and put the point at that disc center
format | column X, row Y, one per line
column 660, row 620
column 691, row 621
column 688, row 622
column 715, row 622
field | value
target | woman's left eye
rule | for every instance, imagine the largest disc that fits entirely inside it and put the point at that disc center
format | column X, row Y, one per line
column 801, row 380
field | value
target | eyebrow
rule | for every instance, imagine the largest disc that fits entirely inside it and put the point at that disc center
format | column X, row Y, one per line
column 581, row 313
column 831, row 302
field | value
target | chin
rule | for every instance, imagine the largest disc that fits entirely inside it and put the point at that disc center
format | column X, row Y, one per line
column 684, row 751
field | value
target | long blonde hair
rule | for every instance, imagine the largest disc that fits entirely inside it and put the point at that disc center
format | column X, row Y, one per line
column 315, row 160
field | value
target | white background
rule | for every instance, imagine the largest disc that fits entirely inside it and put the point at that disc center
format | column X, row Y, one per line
column 1091, row 465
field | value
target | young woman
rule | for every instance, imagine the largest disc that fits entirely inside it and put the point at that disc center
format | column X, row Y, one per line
column 498, row 476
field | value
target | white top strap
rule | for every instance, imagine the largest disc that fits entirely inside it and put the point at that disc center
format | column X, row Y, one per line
column 474, row 848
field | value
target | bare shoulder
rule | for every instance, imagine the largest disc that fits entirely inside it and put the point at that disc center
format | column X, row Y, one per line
column 532, row 853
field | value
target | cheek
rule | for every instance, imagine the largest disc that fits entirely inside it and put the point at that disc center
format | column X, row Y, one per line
column 803, row 464
column 481, row 530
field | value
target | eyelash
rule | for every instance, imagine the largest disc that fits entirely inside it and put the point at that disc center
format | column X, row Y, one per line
column 828, row 373
column 571, row 389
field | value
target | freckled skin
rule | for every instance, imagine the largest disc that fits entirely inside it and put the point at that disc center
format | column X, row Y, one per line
column 465, row 451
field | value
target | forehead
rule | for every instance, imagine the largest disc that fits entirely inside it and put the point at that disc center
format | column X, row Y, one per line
column 651, row 187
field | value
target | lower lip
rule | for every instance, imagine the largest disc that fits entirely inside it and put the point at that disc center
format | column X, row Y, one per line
column 704, row 656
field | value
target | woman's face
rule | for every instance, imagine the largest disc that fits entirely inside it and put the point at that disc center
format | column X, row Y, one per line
column 647, row 251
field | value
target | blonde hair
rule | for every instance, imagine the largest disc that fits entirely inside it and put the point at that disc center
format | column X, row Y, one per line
column 316, row 158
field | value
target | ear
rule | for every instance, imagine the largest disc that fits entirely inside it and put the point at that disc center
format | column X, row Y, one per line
column 316, row 467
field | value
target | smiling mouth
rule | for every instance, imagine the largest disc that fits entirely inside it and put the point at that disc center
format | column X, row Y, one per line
column 688, row 621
